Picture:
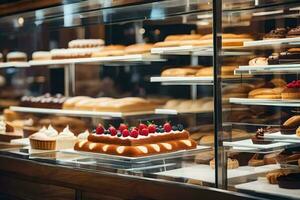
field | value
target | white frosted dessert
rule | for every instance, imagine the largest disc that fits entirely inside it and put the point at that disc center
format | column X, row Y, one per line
column 2, row 126
column 66, row 139
column 83, row 136
column 44, row 139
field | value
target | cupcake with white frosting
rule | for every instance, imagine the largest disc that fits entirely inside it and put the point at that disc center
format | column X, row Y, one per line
column 66, row 139
column 84, row 135
column 44, row 139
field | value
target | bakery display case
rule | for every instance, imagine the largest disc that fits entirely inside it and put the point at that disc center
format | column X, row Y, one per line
column 188, row 96
column 267, row 157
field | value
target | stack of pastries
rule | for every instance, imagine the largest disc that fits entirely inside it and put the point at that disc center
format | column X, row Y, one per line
column 199, row 105
column 197, row 71
column 228, row 39
column 277, row 89
column 106, row 104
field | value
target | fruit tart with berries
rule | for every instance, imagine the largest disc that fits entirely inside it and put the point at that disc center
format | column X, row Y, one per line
column 137, row 141
column 291, row 91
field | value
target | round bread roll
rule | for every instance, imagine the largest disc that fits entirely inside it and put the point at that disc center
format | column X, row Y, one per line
column 179, row 72
column 208, row 71
column 41, row 55
column 293, row 121
column 173, row 103
column 167, row 44
column 209, row 42
column 138, row 48
column 278, row 82
column 258, row 61
column 16, row 56
column 183, row 37
column 110, row 50
column 272, row 93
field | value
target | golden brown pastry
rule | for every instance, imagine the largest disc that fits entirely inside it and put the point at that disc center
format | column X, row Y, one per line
column 256, row 160
column 128, row 104
column 182, row 37
column 298, row 131
column 228, row 36
column 204, row 157
column 70, row 103
column 231, row 163
column 208, row 71
column 272, row 176
column 179, row 72
column 138, row 48
column 278, row 82
column 293, row 121
column 258, row 61
column 266, row 93
column 110, row 50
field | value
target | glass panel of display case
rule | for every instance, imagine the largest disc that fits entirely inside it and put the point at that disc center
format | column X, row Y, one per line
column 137, row 99
column 260, row 143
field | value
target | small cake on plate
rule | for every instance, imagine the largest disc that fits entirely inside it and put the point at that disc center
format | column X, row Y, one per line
column 44, row 139
column 258, row 138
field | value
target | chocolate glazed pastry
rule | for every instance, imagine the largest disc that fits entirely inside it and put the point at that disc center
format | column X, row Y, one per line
column 277, row 33
column 290, row 56
column 290, row 181
column 294, row 32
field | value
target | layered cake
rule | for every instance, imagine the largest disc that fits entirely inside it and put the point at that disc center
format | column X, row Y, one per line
column 258, row 138
column 85, row 43
column 137, row 141
column 44, row 101
column 290, row 56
